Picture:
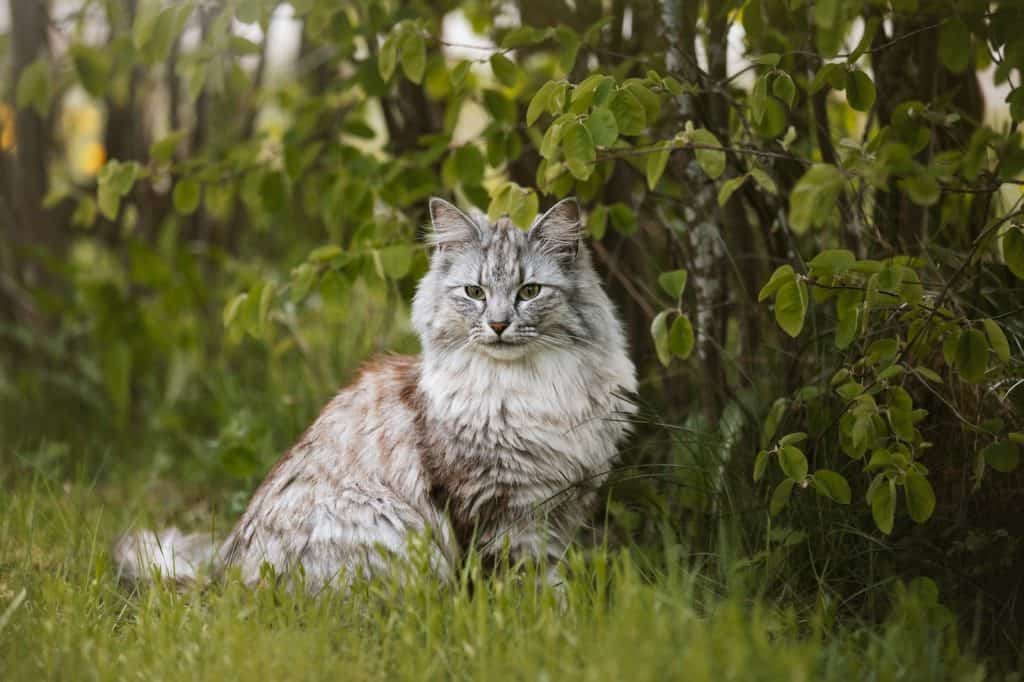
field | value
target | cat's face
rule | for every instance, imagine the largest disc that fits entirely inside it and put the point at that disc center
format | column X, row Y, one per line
column 497, row 290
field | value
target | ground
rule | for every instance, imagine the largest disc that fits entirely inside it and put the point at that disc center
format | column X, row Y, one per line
column 63, row 615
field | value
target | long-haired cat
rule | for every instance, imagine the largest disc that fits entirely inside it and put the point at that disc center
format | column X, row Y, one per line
column 498, row 434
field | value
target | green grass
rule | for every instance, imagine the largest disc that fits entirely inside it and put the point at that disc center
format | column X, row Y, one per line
column 63, row 615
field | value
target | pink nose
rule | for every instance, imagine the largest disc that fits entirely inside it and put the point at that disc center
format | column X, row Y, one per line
column 498, row 327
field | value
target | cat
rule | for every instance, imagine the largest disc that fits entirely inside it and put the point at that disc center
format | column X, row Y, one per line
column 496, row 436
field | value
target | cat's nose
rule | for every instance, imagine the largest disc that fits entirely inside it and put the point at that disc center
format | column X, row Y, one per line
column 498, row 327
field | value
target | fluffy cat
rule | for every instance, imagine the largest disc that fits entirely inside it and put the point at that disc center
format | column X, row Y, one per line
column 498, row 434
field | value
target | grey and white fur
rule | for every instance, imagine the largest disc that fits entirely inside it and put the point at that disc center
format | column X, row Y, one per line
column 497, row 435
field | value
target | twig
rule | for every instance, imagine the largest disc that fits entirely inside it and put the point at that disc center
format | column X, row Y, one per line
column 628, row 285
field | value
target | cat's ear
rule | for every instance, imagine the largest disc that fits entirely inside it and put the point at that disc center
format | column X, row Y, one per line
column 450, row 225
column 558, row 232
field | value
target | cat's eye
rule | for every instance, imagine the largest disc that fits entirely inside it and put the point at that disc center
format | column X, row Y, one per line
column 528, row 291
column 476, row 293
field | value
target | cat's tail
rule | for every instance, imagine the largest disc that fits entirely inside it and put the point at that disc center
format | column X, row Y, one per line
column 169, row 555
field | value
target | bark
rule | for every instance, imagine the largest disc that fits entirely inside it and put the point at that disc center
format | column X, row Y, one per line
column 29, row 20
column 24, row 223
column 706, row 255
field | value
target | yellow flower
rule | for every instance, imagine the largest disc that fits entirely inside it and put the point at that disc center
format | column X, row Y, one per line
column 7, row 140
column 92, row 158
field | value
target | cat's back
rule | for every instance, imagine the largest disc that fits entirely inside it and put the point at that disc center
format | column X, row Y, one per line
column 356, row 467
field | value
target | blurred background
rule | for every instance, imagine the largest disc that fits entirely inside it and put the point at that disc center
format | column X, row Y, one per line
column 212, row 213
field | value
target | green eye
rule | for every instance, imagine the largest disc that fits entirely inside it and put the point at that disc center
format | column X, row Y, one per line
column 528, row 291
column 475, row 293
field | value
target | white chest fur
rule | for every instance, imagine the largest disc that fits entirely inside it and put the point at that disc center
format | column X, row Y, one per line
column 550, row 421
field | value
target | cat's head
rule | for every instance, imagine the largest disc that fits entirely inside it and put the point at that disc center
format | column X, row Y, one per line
column 506, row 293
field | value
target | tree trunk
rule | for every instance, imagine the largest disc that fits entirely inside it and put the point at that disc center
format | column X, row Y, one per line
column 679, row 19
column 26, row 223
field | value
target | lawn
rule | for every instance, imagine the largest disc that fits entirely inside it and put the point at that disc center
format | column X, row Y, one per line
column 627, row 613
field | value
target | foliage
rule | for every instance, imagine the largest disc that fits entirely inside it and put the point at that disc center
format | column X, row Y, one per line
column 812, row 228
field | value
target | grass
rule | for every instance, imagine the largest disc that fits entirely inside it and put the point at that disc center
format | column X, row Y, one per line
column 63, row 615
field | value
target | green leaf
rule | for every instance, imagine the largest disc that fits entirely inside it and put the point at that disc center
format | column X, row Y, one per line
column 34, row 87
column 780, row 496
column 1013, row 250
column 773, row 123
column 629, row 113
column 412, row 50
column 569, row 45
column 783, row 274
column 920, row 497
column 396, row 260
column 458, row 74
column 109, row 201
column 758, row 98
column 883, row 506
column 768, row 59
column 387, row 60
column 650, row 101
column 93, row 68
column 793, row 462
column 832, row 485
column 997, row 339
column 602, row 126
column 469, row 164
column 154, row 33
column 763, row 180
column 772, row 420
column 522, row 207
column 834, row 75
column 1003, row 455
column 656, row 162
column 552, row 138
column 249, row 316
column 923, row 190
column 623, row 219
column 860, row 91
column 673, row 282
column 680, row 337
column 523, row 35
column 814, row 197
column 711, row 158
column 902, row 424
column 119, row 176
column 324, row 253
column 232, row 308
column 539, row 102
column 578, row 147
column 954, row 45
column 929, row 374
column 784, row 88
column 659, row 332
column 760, row 465
column 972, row 355
column 505, row 70
column 163, row 150
column 793, row 438
column 729, row 188
column 597, row 222
column 186, row 196
column 833, row 261
column 791, row 307
column 267, row 296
